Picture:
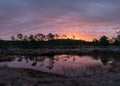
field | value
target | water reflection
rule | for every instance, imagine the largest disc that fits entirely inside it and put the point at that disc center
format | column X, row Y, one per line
column 69, row 65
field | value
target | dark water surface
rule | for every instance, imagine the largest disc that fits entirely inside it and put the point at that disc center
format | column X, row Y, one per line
column 69, row 65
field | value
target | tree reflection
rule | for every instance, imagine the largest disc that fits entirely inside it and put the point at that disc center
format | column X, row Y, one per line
column 51, row 62
column 48, row 62
column 34, row 63
column 105, row 58
column 68, row 64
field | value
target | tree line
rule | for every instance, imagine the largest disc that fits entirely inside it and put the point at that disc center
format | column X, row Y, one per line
column 38, row 37
column 56, row 41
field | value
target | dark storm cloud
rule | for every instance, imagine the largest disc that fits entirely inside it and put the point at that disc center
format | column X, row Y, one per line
column 24, row 15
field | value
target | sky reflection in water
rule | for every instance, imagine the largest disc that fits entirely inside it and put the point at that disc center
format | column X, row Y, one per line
column 69, row 65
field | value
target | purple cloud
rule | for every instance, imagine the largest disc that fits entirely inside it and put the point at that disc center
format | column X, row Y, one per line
column 89, row 17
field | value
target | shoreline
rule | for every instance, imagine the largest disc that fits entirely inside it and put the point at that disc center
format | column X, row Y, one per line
column 46, row 51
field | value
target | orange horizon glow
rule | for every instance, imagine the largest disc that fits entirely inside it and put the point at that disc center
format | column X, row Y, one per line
column 76, row 37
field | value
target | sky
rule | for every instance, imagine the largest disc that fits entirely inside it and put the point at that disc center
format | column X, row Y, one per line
column 85, row 19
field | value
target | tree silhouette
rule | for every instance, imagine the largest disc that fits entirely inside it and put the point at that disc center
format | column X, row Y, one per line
column 31, row 38
column 95, row 42
column 116, row 40
column 64, row 36
column 50, row 36
column 104, row 41
column 118, row 36
column 20, row 36
column 25, row 38
column 40, row 37
column 44, row 41
column 57, row 36
column 12, row 38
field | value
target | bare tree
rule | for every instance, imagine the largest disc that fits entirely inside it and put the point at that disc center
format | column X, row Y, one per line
column 40, row 37
column 50, row 36
column 64, row 36
column 31, row 38
column 20, row 36
column 25, row 38
column 12, row 38
column 57, row 36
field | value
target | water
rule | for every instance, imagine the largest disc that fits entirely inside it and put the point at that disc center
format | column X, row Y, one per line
column 68, row 65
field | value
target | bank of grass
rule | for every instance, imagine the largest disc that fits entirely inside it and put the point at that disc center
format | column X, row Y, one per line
column 26, row 77
column 47, row 51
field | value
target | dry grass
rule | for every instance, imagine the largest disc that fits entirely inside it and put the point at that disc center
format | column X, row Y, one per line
column 21, row 77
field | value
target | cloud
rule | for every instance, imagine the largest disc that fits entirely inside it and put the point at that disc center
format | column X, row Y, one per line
column 92, row 17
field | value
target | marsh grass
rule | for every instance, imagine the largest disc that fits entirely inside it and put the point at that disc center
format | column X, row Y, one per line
column 23, row 77
column 87, row 70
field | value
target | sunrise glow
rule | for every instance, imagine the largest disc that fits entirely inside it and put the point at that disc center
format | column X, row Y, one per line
column 59, row 42
column 84, row 21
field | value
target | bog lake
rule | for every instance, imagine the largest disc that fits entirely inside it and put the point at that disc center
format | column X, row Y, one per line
column 63, row 64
